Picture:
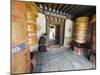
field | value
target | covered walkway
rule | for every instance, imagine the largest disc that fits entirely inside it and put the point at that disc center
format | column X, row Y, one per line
column 60, row 59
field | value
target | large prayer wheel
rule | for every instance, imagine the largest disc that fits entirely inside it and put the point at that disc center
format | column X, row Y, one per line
column 31, row 25
column 81, row 29
column 80, row 35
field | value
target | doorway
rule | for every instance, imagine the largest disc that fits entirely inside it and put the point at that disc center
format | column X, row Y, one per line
column 54, row 35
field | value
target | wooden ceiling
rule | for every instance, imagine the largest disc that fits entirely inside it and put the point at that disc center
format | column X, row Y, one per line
column 67, row 9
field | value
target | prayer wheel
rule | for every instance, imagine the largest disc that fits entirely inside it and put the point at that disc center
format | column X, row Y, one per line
column 80, row 35
column 31, row 25
column 81, row 29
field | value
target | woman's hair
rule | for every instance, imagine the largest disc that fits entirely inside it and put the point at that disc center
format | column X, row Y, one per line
column 45, row 34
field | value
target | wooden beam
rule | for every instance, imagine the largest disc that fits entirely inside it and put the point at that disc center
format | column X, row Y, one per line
column 83, row 11
column 55, row 6
column 59, row 7
column 49, row 5
column 81, row 7
column 69, row 8
column 65, row 7
column 74, row 9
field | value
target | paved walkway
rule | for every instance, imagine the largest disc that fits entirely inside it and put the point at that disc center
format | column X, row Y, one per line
column 61, row 59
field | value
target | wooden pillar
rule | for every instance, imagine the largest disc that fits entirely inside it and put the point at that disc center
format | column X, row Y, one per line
column 47, row 30
column 61, row 31
column 92, row 53
column 80, row 34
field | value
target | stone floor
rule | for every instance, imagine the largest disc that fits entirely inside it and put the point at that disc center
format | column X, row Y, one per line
column 61, row 59
column 53, row 42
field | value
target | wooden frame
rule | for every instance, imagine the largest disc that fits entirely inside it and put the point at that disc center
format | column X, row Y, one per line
column 59, row 21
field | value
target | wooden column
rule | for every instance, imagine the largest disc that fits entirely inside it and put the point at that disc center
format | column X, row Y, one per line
column 61, row 31
column 56, row 21
column 92, row 52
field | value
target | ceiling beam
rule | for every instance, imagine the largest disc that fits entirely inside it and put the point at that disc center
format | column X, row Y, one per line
column 65, row 7
column 69, row 8
column 74, row 9
column 49, row 5
column 55, row 6
column 79, row 9
column 59, row 6
column 82, row 11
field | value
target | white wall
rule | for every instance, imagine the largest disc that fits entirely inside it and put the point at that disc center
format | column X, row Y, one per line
column 52, row 33
column 41, row 24
column 68, row 28
column 41, row 28
column 68, row 32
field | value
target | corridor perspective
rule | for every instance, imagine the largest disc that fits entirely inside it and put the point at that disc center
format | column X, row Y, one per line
column 52, row 37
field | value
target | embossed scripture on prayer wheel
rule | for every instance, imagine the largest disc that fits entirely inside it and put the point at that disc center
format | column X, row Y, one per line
column 32, row 13
column 82, row 20
column 81, row 29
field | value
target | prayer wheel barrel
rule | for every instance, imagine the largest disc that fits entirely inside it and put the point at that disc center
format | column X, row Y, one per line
column 80, row 35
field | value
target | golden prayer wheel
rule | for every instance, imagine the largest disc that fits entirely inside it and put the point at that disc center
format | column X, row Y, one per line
column 31, row 26
column 82, row 20
column 81, row 29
